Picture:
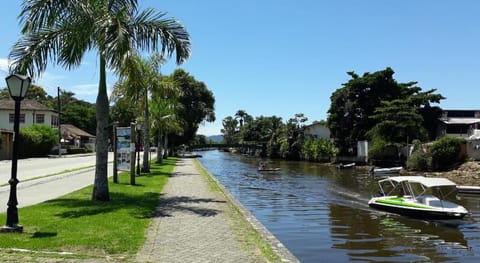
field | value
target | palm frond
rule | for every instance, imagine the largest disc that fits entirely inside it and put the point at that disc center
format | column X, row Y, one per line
column 151, row 30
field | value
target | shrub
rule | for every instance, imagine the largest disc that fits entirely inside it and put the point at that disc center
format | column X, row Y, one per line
column 318, row 149
column 36, row 141
column 446, row 153
column 77, row 150
column 419, row 161
column 383, row 151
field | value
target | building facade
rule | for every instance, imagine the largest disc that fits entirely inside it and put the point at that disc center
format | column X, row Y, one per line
column 31, row 112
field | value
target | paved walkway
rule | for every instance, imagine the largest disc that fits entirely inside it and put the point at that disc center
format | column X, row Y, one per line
column 193, row 223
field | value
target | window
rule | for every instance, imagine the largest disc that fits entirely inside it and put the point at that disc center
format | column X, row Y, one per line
column 40, row 118
column 11, row 118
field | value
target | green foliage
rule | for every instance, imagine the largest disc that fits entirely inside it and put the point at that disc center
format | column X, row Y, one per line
column 446, row 153
column 382, row 150
column 354, row 104
column 396, row 122
column 37, row 140
column 317, row 149
column 420, row 160
column 197, row 104
column 77, row 150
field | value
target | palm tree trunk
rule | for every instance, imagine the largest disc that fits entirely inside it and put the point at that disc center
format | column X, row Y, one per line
column 146, row 137
column 100, row 185
column 165, row 146
column 160, row 148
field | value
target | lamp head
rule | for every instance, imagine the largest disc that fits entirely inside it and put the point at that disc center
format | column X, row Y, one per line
column 18, row 86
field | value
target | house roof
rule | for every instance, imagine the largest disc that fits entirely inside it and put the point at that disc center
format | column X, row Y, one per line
column 70, row 131
column 25, row 105
column 460, row 120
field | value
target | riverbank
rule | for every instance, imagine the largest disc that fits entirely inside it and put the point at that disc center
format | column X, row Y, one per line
column 199, row 221
column 466, row 174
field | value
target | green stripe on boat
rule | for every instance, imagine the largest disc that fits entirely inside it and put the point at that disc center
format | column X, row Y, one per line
column 400, row 202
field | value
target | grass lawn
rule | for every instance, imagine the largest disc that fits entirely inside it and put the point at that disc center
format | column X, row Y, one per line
column 75, row 223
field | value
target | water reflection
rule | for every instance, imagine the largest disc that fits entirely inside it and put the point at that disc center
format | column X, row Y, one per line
column 321, row 214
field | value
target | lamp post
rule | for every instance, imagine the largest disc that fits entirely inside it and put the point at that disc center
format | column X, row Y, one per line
column 139, row 128
column 17, row 87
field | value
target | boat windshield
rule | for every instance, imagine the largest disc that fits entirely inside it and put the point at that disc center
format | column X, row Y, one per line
column 414, row 189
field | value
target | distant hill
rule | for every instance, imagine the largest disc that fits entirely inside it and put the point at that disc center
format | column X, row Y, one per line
column 215, row 138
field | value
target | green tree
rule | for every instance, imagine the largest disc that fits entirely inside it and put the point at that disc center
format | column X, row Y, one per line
column 294, row 136
column 397, row 121
column 34, row 93
column 197, row 104
column 138, row 77
column 353, row 105
column 230, row 130
column 64, row 30
column 163, row 113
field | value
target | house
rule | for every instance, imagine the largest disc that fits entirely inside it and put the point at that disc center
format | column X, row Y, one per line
column 464, row 124
column 31, row 112
column 74, row 136
column 460, row 123
column 317, row 130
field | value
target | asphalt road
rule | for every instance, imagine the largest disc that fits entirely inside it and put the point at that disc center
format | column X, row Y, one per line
column 52, row 180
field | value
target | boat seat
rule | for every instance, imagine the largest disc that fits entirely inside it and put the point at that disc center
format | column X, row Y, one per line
column 421, row 200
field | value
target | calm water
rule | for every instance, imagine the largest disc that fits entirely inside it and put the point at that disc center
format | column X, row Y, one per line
column 321, row 214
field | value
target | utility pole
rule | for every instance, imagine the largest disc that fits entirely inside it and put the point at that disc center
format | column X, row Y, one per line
column 59, row 126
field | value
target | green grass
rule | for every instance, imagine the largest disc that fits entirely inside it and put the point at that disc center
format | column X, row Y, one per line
column 75, row 223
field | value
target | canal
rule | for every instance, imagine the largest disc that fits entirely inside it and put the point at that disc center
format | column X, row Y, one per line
column 321, row 214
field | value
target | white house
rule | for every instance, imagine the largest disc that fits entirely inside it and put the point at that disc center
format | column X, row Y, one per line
column 31, row 112
column 317, row 130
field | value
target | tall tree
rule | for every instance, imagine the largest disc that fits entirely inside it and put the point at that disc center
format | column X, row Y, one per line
column 197, row 104
column 353, row 105
column 64, row 30
column 241, row 115
column 230, row 130
column 138, row 77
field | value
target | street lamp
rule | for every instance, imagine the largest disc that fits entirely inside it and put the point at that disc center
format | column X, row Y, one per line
column 139, row 128
column 17, row 87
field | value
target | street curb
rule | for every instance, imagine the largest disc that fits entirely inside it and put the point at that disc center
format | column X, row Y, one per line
column 277, row 246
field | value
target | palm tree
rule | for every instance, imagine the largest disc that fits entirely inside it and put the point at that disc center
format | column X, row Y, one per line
column 164, row 121
column 138, row 77
column 64, row 30
column 241, row 114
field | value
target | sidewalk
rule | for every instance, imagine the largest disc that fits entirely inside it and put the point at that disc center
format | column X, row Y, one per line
column 195, row 224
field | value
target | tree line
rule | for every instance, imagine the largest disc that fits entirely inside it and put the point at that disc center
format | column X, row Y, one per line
column 275, row 138
column 373, row 107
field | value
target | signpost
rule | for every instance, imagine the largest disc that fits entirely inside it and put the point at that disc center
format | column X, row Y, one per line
column 125, row 149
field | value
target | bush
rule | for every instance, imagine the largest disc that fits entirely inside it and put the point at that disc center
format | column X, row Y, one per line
column 383, row 151
column 36, row 141
column 318, row 149
column 446, row 153
column 420, row 161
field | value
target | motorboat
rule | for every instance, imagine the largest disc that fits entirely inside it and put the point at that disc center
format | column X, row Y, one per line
column 385, row 171
column 346, row 166
column 268, row 169
column 262, row 167
column 418, row 197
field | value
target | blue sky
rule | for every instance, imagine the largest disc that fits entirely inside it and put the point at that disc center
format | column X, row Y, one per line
column 282, row 57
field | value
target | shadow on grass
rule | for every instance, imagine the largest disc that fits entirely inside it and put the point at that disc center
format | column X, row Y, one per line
column 186, row 204
column 44, row 234
column 139, row 206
